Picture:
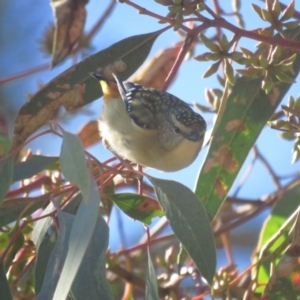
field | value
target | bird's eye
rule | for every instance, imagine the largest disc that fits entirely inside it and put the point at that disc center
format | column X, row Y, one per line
column 177, row 130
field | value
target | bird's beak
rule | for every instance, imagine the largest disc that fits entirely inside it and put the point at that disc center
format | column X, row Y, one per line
column 98, row 76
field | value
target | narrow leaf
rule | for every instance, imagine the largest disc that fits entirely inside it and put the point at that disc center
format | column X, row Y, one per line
column 69, row 24
column 283, row 209
column 189, row 222
column 57, row 258
column 247, row 111
column 43, row 254
column 11, row 209
column 91, row 282
column 151, row 282
column 6, row 171
column 5, row 144
column 73, row 162
column 4, row 288
column 87, row 212
column 32, row 166
column 81, row 234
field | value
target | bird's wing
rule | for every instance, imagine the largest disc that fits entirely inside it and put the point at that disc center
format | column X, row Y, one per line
column 138, row 103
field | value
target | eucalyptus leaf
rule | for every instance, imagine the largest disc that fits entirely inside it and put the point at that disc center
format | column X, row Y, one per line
column 6, row 171
column 189, row 222
column 151, row 282
column 4, row 287
column 32, row 166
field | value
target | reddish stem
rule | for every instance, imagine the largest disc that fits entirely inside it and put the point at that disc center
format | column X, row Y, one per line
column 25, row 73
column 29, row 187
column 181, row 55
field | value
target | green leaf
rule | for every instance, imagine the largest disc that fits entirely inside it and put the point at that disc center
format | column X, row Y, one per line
column 189, row 222
column 32, row 166
column 73, row 162
column 258, row 10
column 5, row 144
column 75, row 88
column 4, row 288
column 237, row 128
column 11, row 209
column 288, row 11
column 57, row 257
column 151, row 281
column 49, row 250
column 6, row 171
column 209, row 44
column 91, row 282
column 86, row 217
column 45, row 236
column 212, row 69
column 282, row 210
column 137, row 207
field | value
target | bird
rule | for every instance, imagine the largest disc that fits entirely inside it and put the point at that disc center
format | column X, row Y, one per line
column 148, row 126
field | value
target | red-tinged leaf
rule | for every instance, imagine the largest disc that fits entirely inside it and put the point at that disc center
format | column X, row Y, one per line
column 137, row 207
column 69, row 23
column 89, row 134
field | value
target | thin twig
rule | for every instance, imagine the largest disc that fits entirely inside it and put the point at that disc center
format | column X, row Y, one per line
column 25, row 73
column 182, row 53
column 136, row 281
column 264, row 161
column 271, row 199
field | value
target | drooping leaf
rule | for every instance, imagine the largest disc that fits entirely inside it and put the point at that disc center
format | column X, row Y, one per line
column 79, row 240
column 137, row 207
column 57, row 257
column 87, row 213
column 151, row 282
column 73, row 162
column 91, row 282
column 46, row 284
column 6, row 171
column 11, row 209
column 45, row 236
column 284, row 279
column 75, row 88
column 282, row 210
column 189, row 222
column 240, row 121
column 5, row 144
column 69, row 23
column 32, row 166
column 4, row 288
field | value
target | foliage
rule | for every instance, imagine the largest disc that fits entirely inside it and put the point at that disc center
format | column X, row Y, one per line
column 55, row 211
